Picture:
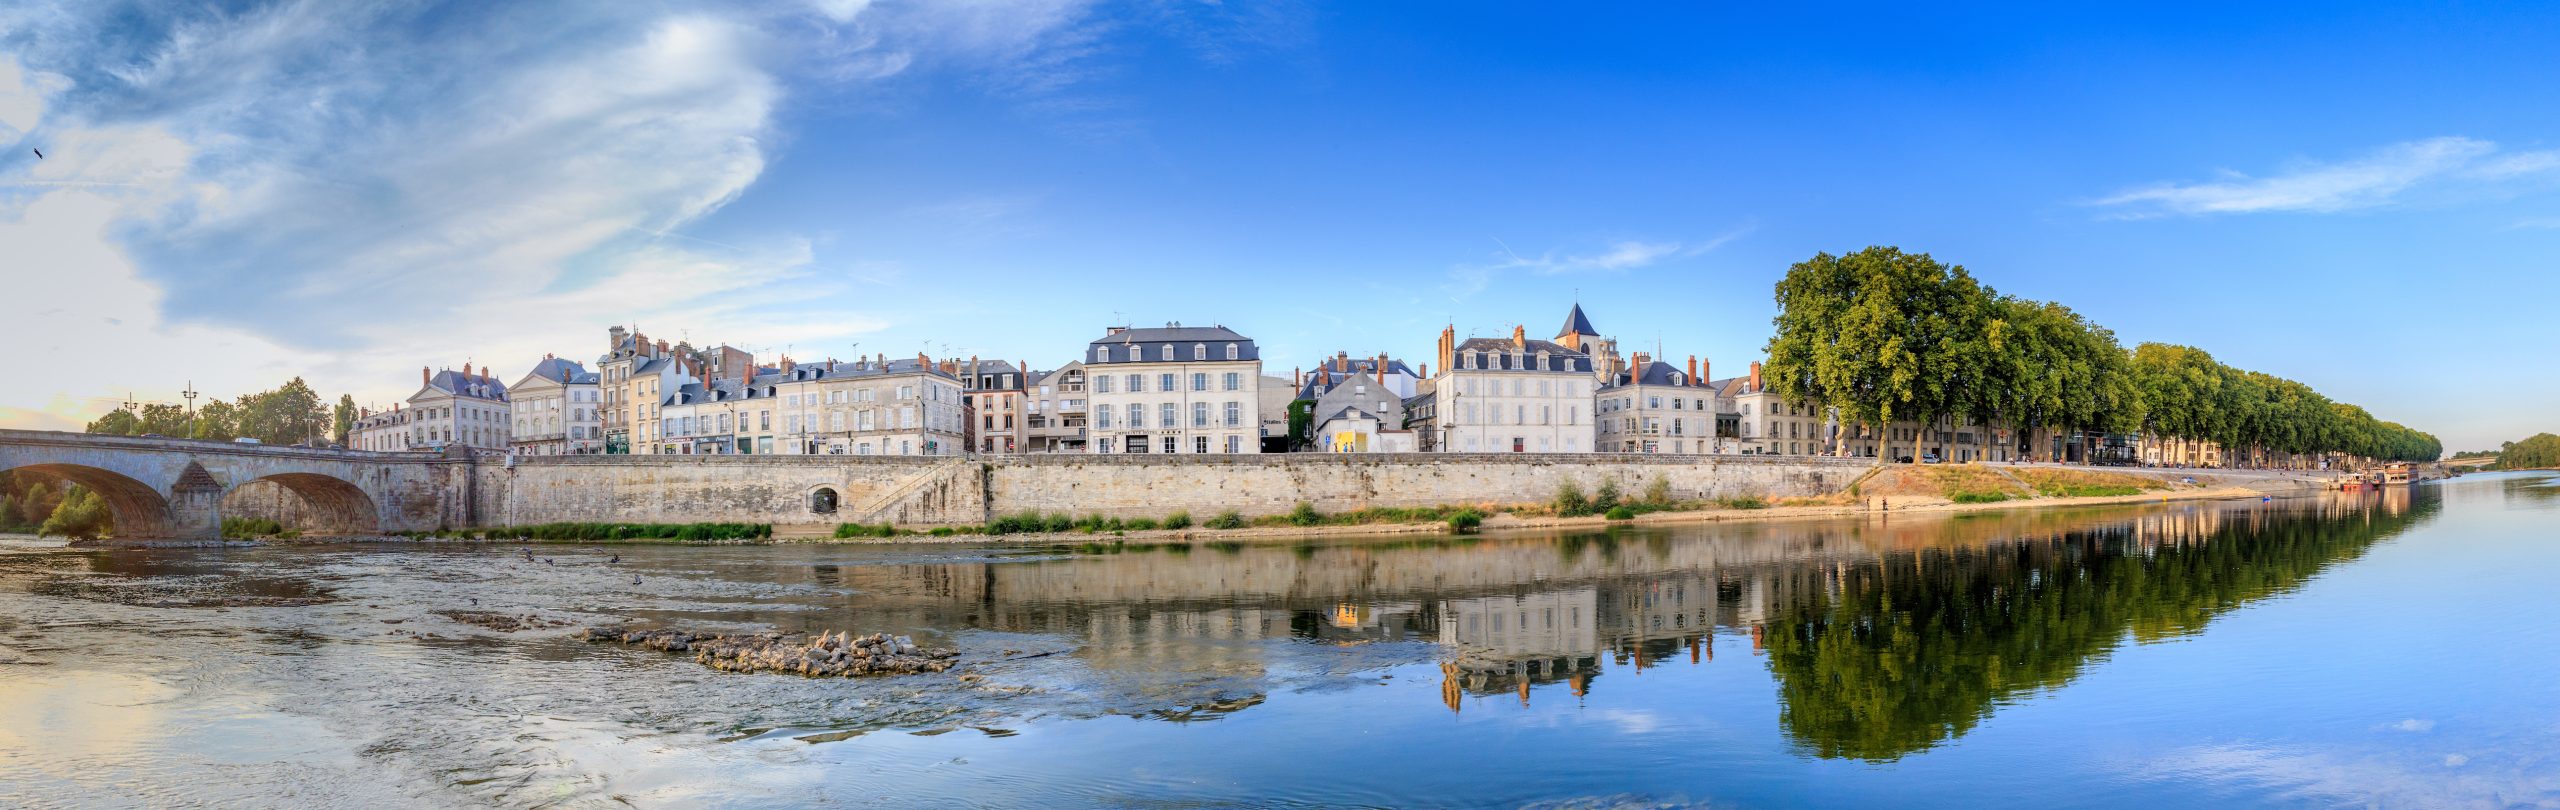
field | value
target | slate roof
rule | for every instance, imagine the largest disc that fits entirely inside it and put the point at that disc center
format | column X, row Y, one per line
column 1326, row 378
column 1654, row 373
column 1217, row 337
column 1499, row 355
column 1575, row 323
column 481, row 388
column 560, row 370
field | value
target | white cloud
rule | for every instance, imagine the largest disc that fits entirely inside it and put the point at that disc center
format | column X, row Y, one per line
column 2376, row 179
column 1620, row 256
column 347, row 191
column 2399, row 778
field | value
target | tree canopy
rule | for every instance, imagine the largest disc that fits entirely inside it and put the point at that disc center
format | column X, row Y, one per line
column 1884, row 335
column 290, row 414
column 2540, row 451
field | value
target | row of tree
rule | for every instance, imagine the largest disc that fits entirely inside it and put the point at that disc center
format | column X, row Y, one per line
column 289, row 414
column 1884, row 335
column 2540, row 452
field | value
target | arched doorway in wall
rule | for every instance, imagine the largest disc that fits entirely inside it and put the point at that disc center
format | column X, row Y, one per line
column 824, row 501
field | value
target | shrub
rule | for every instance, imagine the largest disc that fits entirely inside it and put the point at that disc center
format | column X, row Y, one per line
column 1305, row 515
column 1979, row 497
column 1742, row 502
column 245, row 528
column 1570, row 501
column 1607, row 498
column 1621, row 512
column 1061, row 522
column 1658, row 491
column 1139, row 524
column 1178, row 520
column 943, row 531
column 1229, row 519
column 1465, row 520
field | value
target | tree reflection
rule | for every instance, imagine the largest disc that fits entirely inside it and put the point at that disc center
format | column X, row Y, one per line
column 1889, row 657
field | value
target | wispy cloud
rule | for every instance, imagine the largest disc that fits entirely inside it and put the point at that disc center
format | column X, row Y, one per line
column 1619, row 256
column 2379, row 178
column 335, row 189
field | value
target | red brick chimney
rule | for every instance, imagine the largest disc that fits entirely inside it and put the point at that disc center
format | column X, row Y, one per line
column 1755, row 376
column 425, row 376
column 1425, row 370
column 1706, row 369
column 1520, row 338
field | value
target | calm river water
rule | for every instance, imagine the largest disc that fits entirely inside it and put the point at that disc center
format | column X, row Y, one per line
column 2396, row 649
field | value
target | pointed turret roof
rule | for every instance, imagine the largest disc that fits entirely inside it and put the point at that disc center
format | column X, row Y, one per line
column 1575, row 323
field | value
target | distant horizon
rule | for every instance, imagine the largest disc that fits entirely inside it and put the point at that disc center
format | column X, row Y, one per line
column 2358, row 199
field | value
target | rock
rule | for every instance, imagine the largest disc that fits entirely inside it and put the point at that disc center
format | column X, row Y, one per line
column 829, row 654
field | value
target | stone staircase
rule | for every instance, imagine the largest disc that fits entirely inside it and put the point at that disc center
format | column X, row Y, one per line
column 872, row 511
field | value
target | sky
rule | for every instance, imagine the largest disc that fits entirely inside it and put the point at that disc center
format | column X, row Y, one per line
column 2361, row 196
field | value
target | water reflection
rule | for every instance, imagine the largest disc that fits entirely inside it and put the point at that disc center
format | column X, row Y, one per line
column 1862, row 640
column 1886, row 636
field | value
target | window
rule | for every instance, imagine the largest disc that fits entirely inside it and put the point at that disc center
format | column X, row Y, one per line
column 764, row 420
column 1235, row 444
column 1102, row 445
column 1234, row 415
column 1170, row 445
column 1164, row 382
column 1234, row 380
column 1101, row 354
column 1199, row 351
column 1137, row 383
column 1231, row 354
column 1168, row 415
column 1200, row 418
column 1165, row 352
column 1137, row 415
column 1200, row 445
column 1102, row 383
column 1199, row 382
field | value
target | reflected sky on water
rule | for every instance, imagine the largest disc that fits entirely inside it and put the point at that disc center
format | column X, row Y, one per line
column 2389, row 649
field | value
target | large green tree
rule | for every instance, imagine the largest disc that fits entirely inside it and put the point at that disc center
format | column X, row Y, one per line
column 342, row 419
column 1880, row 335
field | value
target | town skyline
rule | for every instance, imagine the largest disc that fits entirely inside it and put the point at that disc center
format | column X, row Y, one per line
column 1004, row 181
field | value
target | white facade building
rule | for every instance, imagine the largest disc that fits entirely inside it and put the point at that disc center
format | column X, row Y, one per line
column 555, row 410
column 1176, row 389
column 1512, row 396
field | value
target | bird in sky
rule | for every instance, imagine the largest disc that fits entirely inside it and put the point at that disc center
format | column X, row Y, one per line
column 39, row 152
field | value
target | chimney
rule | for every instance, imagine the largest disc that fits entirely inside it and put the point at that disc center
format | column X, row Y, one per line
column 1520, row 338
column 1693, row 370
column 425, row 376
column 1426, row 371
column 1382, row 372
column 1641, row 360
column 662, row 346
column 1755, row 377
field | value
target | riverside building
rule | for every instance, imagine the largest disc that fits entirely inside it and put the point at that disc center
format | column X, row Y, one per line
column 1177, row 389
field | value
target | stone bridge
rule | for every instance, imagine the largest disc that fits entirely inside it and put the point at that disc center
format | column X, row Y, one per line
column 174, row 488
column 178, row 488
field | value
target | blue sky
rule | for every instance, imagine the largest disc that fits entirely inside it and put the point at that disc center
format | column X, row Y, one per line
column 2365, row 200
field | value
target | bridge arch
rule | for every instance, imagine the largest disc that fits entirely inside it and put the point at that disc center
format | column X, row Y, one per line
column 329, row 505
column 139, row 510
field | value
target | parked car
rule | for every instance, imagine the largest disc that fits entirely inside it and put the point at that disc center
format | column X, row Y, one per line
column 1929, row 458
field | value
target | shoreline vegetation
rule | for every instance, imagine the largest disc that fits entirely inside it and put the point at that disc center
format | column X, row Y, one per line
column 1888, row 490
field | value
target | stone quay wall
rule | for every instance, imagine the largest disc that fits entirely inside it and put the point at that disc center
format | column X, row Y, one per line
column 954, row 491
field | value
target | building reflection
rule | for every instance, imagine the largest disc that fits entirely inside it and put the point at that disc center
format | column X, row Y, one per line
column 1885, row 635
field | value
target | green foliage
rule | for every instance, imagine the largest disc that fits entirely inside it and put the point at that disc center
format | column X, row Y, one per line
column 1229, row 519
column 342, row 419
column 1879, row 333
column 942, row 531
column 630, row 531
column 1465, row 520
column 1607, row 497
column 250, row 528
column 1743, row 502
column 82, row 515
column 2064, row 490
column 1621, row 513
column 1302, row 418
column 1138, row 524
column 1023, row 523
column 290, row 414
column 1658, row 491
column 2542, row 450
column 1570, row 501
column 1178, row 520
column 851, row 530
column 1305, row 515
column 1979, row 497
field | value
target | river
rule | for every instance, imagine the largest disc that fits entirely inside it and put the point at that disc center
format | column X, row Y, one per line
column 2392, row 649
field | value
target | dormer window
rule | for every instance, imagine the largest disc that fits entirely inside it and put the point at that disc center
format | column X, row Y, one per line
column 1231, row 351
column 1165, row 352
column 1100, row 354
column 1199, row 351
